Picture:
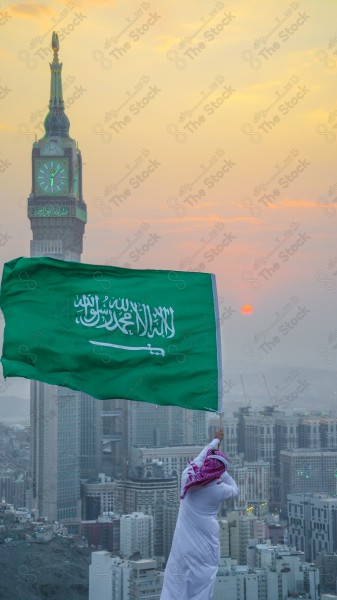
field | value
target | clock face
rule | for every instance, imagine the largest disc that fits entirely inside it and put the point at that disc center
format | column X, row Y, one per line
column 52, row 176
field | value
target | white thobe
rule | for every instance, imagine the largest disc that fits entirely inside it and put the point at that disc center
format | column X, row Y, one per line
column 194, row 558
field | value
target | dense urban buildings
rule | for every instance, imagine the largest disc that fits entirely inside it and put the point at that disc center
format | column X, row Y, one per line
column 276, row 573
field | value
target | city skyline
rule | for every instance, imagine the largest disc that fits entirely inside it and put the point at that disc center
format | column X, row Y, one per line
column 164, row 193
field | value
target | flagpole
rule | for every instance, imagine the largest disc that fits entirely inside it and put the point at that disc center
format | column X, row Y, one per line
column 220, row 408
column 220, row 426
column 218, row 344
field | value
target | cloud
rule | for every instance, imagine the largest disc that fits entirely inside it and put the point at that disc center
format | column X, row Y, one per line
column 298, row 204
column 30, row 10
column 130, row 223
column 95, row 3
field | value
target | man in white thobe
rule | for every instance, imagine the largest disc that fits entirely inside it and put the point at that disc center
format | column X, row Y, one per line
column 193, row 562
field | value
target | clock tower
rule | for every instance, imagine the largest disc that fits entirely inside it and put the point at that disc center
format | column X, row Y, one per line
column 65, row 434
column 56, row 208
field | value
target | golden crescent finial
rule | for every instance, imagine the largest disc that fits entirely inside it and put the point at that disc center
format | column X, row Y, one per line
column 55, row 42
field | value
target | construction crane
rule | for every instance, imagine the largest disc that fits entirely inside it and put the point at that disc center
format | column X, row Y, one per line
column 273, row 402
column 248, row 401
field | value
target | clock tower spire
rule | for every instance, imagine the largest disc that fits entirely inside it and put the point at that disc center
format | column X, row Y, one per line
column 56, row 208
column 56, row 122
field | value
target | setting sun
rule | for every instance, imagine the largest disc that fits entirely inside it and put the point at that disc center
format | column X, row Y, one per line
column 247, row 309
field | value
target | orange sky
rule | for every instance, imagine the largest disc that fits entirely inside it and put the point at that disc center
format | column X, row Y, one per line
column 208, row 135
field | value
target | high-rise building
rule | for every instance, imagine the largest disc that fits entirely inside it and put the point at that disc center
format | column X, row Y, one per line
column 253, row 480
column 286, row 436
column 90, row 436
column 6, row 485
column 152, row 496
column 136, row 531
column 260, row 444
column 242, row 527
column 327, row 566
column 153, row 425
column 328, row 431
column 260, row 439
column 312, row 522
column 317, row 432
column 230, row 439
column 304, row 471
column 57, row 214
column 269, row 433
column 97, row 497
column 115, row 437
column 241, row 414
column 224, row 539
column 309, row 433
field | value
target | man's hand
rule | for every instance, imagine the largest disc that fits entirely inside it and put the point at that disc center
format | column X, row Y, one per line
column 219, row 434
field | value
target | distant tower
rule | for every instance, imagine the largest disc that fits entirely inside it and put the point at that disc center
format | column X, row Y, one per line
column 65, row 424
column 56, row 208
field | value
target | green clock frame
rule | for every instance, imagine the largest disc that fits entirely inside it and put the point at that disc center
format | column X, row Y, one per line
column 51, row 176
column 76, row 185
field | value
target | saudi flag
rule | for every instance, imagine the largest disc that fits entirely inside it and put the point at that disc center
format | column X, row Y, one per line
column 144, row 335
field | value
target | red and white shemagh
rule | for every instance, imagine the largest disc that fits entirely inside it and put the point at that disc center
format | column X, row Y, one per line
column 214, row 466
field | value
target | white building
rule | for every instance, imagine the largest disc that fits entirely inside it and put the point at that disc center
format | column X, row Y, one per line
column 136, row 535
column 105, row 577
column 111, row 578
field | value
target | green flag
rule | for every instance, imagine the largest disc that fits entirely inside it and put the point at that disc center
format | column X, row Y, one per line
column 144, row 335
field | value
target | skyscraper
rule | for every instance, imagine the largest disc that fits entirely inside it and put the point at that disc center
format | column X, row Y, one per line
column 306, row 470
column 312, row 521
column 136, row 534
column 156, row 496
column 156, row 426
column 57, row 214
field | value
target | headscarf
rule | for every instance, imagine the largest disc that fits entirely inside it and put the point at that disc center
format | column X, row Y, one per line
column 214, row 466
